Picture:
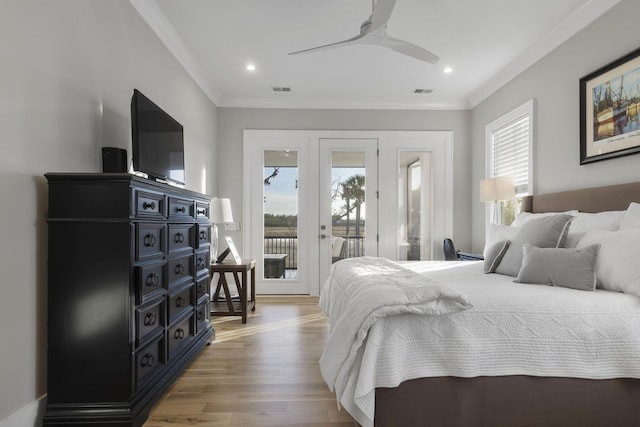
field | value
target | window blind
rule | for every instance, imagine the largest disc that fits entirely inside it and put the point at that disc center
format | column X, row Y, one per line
column 510, row 153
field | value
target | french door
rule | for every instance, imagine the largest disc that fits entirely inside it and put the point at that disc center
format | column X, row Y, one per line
column 348, row 208
column 311, row 199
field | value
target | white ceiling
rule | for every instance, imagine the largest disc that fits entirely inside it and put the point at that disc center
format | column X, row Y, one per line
column 486, row 42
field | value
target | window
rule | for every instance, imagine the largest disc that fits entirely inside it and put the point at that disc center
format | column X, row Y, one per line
column 509, row 142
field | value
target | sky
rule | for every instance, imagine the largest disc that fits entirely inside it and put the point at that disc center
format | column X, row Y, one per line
column 281, row 197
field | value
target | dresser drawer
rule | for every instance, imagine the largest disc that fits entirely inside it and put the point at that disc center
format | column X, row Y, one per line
column 180, row 237
column 203, row 260
column 179, row 302
column 202, row 211
column 204, row 235
column 150, row 281
column 150, row 241
column 180, row 270
column 203, row 287
column 203, row 314
column 148, row 205
column 149, row 320
column 179, row 335
column 149, row 359
column 180, row 208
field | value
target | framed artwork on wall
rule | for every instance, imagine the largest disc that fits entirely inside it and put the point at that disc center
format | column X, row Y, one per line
column 610, row 110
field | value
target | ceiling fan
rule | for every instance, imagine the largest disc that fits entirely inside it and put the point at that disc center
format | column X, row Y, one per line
column 373, row 31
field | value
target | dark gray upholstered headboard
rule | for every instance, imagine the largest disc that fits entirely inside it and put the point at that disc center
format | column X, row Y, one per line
column 597, row 199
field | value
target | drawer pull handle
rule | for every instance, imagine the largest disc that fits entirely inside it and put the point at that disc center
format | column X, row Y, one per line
column 179, row 334
column 146, row 205
column 147, row 360
column 153, row 280
column 201, row 263
column 203, row 235
column 150, row 319
column 179, row 269
column 179, row 237
column 201, row 315
column 150, row 240
column 202, row 211
column 180, row 302
column 182, row 209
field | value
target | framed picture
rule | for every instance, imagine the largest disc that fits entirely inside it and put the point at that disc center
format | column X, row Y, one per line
column 234, row 251
column 609, row 110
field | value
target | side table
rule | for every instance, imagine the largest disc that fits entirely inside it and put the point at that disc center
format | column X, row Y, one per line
column 234, row 306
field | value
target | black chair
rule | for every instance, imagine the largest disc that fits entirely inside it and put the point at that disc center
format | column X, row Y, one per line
column 449, row 249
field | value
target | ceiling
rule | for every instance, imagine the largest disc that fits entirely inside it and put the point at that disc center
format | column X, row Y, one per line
column 485, row 42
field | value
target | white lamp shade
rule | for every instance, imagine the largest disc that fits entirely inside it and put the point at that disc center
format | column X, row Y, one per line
column 221, row 211
column 499, row 188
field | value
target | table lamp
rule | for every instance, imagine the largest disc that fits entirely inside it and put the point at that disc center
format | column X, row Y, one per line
column 497, row 190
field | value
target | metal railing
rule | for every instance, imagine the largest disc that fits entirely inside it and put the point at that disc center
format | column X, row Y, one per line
column 354, row 247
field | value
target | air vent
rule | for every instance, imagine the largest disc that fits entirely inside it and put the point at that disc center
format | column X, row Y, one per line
column 281, row 89
column 423, row 91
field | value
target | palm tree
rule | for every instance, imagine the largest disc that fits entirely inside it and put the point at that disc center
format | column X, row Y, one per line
column 353, row 190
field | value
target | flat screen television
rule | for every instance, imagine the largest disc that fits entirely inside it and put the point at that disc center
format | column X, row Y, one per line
column 157, row 141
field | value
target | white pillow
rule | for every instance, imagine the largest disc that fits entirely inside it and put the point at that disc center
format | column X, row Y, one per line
column 523, row 217
column 618, row 261
column 631, row 217
column 584, row 222
column 497, row 233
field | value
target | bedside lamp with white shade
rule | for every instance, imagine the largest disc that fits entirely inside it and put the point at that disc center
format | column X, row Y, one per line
column 497, row 190
column 220, row 214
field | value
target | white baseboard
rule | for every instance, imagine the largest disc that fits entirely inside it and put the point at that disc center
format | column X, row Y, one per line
column 29, row 416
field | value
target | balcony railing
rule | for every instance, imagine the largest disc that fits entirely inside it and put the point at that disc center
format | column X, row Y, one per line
column 289, row 245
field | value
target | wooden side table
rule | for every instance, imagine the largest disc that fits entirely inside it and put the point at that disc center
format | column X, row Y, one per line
column 231, row 306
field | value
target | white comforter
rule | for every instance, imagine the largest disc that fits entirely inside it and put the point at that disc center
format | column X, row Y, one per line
column 360, row 291
column 512, row 329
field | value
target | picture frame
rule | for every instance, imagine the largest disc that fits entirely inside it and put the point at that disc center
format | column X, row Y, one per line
column 610, row 110
column 234, row 251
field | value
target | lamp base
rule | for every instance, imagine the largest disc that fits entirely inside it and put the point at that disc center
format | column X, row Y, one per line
column 214, row 243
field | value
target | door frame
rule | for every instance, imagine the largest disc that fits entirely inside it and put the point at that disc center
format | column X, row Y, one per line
column 390, row 144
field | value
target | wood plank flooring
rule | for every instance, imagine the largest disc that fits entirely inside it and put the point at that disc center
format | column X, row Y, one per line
column 262, row 373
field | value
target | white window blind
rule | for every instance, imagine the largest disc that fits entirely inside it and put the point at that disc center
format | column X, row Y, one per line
column 510, row 153
column 509, row 142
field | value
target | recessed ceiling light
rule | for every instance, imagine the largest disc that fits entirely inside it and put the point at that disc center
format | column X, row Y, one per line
column 250, row 67
column 448, row 70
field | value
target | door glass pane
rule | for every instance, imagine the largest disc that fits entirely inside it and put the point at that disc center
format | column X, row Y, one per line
column 280, row 214
column 414, row 192
column 348, row 207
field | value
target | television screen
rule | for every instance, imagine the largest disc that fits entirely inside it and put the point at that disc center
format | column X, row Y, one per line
column 157, row 141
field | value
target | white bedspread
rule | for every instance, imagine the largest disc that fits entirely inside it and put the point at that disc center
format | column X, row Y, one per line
column 358, row 292
column 512, row 329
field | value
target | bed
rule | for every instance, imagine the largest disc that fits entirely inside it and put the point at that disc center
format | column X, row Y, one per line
column 563, row 357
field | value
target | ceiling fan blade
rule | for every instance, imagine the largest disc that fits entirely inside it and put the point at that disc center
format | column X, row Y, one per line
column 352, row 40
column 381, row 13
column 409, row 49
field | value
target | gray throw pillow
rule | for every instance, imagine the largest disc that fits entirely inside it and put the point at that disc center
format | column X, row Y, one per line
column 544, row 232
column 493, row 255
column 569, row 268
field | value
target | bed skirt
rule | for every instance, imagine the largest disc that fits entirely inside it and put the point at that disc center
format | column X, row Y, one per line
column 509, row 401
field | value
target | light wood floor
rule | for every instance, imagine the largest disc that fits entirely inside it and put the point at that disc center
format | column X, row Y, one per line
column 262, row 373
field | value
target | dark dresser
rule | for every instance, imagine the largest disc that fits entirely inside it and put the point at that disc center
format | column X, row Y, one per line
column 128, row 303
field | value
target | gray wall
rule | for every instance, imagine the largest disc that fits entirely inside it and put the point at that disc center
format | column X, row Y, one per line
column 67, row 73
column 232, row 121
column 553, row 83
